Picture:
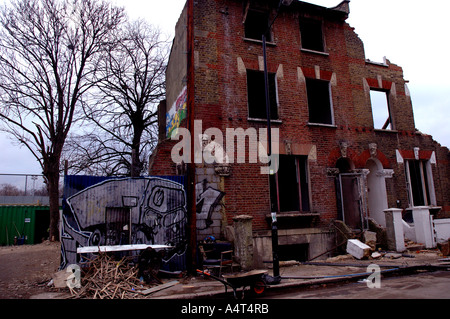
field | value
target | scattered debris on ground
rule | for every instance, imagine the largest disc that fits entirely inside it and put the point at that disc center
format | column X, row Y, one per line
column 444, row 247
column 106, row 278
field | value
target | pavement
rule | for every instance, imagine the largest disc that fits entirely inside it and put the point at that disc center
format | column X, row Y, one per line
column 318, row 273
column 338, row 269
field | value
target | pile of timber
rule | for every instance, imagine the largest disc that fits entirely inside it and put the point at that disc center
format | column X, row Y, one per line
column 106, row 278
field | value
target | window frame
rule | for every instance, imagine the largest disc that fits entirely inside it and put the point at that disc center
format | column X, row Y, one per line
column 302, row 183
column 265, row 15
column 389, row 122
column 426, row 184
column 330, row 102
column 259, row 104
column 305, row 37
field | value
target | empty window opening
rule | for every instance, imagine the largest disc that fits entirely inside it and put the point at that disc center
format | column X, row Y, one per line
column 256, row 24
column 319, row 101
column 380, row 110
column 257, row 97
column 293, row 188
column 418, row 183
column 312, row 36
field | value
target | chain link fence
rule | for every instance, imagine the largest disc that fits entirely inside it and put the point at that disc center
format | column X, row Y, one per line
column 22, row 185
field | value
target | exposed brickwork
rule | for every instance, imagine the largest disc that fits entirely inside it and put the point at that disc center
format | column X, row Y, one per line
column 222, row 56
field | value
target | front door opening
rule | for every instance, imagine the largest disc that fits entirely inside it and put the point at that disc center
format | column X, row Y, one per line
column 350, row 186
column 376, row 191
column 350, row 190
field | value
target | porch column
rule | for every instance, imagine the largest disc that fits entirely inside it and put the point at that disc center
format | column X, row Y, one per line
column 394, row 229
column 423, row 226
column 243, row 241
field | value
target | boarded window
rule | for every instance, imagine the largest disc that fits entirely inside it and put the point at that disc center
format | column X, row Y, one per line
column 256, row 23
column 319, row 104
column 380, row 110
column 311, row 33
column 257, row 97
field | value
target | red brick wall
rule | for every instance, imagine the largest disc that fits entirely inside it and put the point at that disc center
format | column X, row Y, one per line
column 221, row 101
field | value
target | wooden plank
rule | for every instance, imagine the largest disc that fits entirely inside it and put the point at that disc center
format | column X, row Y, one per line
column 160, row 287
column 96, row 249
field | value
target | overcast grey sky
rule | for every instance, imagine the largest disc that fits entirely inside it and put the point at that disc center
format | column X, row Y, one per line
column 410, row 33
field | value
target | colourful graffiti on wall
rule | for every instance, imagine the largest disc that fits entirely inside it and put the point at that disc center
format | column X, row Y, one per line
column 176, row 113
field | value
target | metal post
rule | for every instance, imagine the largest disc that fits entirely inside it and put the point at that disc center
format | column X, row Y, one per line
column 276, row 262
column 191, row 116
column 26, row 182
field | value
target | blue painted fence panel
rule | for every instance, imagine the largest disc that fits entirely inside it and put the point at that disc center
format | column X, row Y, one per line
column 101, row 210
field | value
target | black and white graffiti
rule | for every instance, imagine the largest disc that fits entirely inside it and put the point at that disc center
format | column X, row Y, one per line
column 208, row 198
column 126, row 211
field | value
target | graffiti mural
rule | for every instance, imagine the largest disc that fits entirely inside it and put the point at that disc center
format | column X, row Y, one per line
column 126, row 211
column 208, row 198
column 176, row 113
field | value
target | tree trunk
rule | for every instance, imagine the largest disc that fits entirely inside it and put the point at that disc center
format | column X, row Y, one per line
column 53, row 187
column 136, row 165
column 51, row 174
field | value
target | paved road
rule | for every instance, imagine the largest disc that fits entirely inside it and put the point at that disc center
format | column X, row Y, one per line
column 427, row 285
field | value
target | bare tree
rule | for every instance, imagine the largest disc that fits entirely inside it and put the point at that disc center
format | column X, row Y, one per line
column 10, row 190
column 125, row 108
column 49, row 53
column 97, row 153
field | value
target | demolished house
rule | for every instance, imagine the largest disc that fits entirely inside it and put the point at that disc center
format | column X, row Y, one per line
column 341, row 155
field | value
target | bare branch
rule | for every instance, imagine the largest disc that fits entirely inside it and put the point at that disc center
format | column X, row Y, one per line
column 131, row 83
column 49, row 56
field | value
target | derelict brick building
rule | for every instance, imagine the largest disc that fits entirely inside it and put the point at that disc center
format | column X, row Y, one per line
column 343, row 154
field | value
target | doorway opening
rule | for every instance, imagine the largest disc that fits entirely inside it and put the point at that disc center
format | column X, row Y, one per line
column 41, row 230
column 350, row 193
column 376, row 191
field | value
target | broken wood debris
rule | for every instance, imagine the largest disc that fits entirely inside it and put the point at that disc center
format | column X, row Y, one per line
column 106, row 278
column 160, row 287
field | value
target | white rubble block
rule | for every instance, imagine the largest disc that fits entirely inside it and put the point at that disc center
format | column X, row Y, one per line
column 376, row 255
column 358, row 249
